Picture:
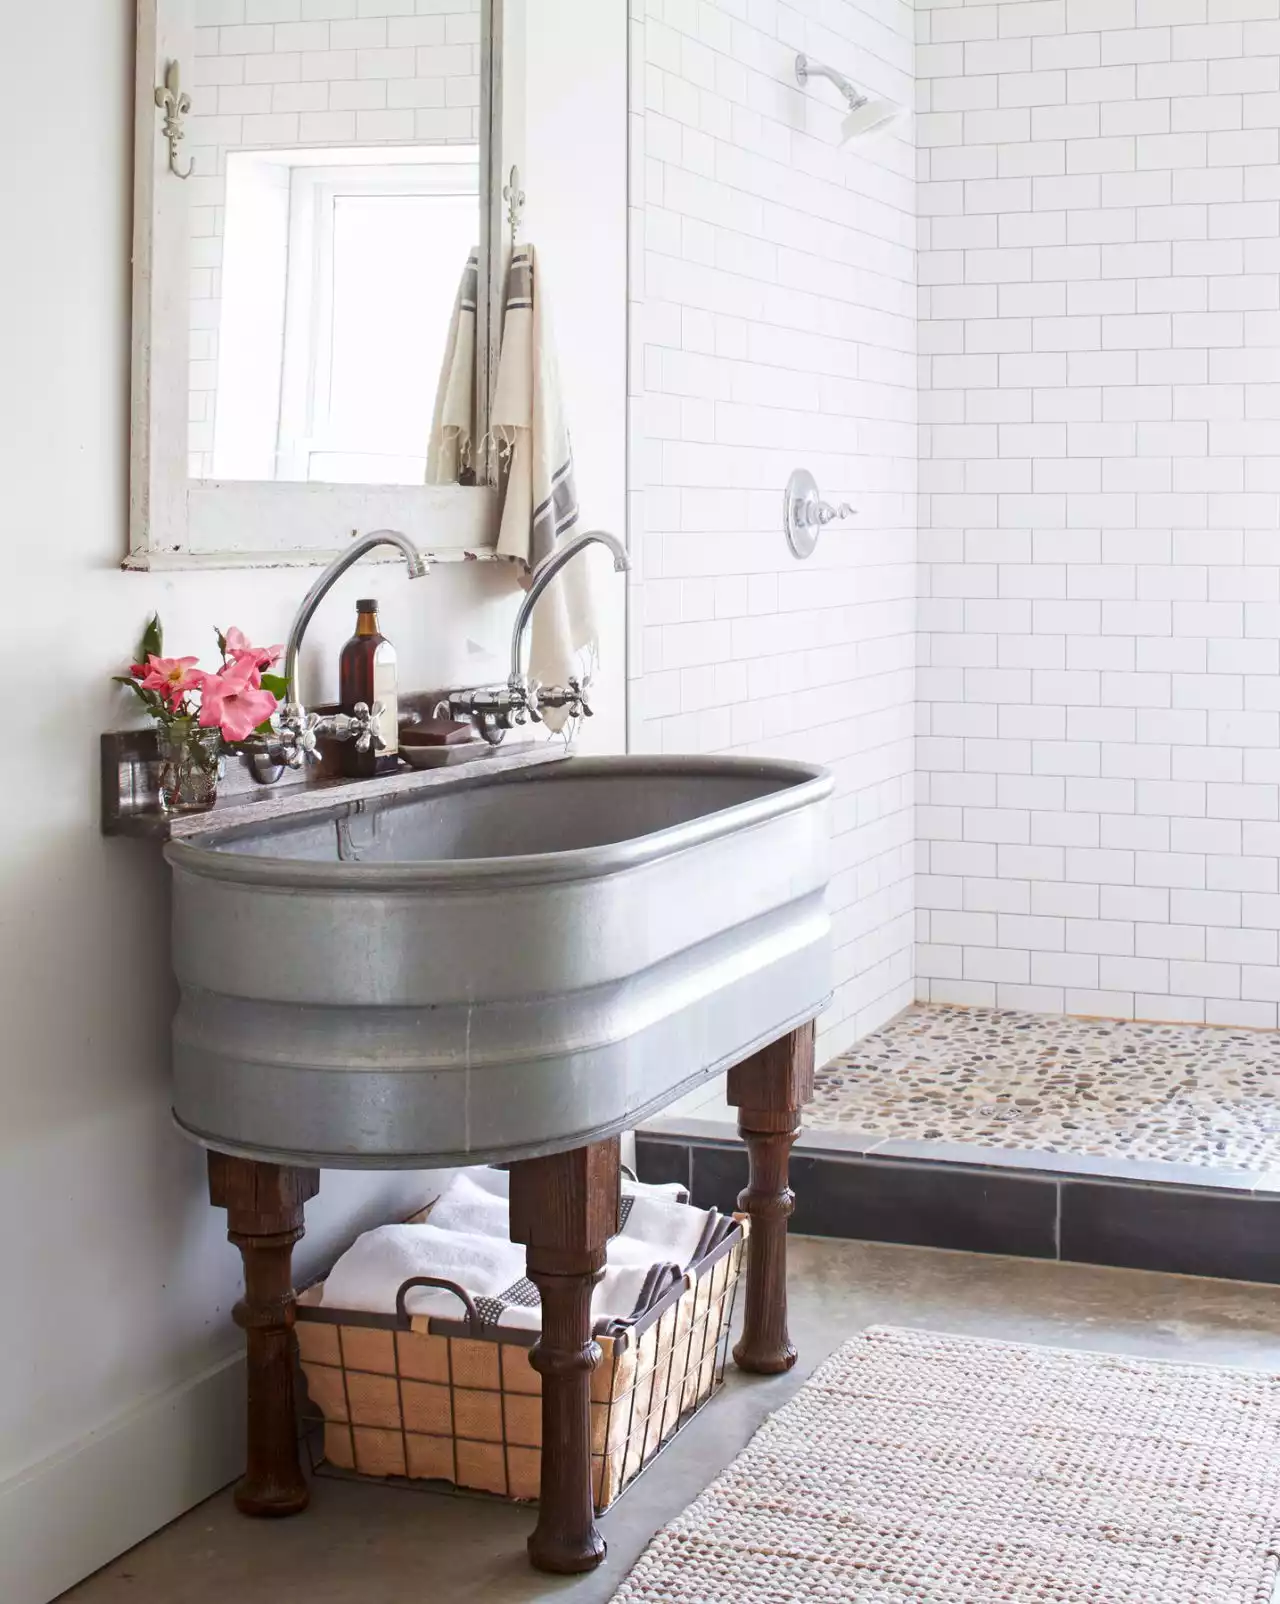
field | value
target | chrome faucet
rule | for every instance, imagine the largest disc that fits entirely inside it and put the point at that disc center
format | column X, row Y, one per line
column 496, row 709
column 295, row 738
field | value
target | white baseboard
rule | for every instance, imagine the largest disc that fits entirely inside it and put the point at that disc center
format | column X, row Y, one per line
column 66, row 1516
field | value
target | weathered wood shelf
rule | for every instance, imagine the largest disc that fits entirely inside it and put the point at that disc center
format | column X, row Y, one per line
column 129, row 796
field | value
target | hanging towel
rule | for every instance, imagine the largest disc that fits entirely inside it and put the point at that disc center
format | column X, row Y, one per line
column 449, row 449
column 540, row 505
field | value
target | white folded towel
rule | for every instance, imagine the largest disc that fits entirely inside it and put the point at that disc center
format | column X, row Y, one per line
column 540, row 505
column 376, row 1265
column 468, row 1204
column 449, row 448
column 467, row 1239
column 656, row 1218
column 666, row 1229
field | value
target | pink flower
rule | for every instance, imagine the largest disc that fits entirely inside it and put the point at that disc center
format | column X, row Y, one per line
column 233, row 702
column 241, row 650
column 172, row 676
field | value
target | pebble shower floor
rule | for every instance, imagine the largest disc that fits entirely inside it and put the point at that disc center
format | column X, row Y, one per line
column 998, row 1078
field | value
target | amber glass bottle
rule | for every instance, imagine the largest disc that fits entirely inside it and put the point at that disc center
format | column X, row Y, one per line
column 367, row 673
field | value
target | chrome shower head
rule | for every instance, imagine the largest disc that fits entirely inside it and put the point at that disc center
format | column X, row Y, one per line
column 866, row 115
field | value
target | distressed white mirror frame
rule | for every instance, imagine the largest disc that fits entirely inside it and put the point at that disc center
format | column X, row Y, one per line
column 179, row 522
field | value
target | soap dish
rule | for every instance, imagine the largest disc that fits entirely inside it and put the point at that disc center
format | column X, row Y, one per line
column 438, row 757
column 433, row 744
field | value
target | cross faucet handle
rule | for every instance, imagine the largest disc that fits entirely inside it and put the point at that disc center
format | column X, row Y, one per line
column 572, row 696
column 526, row 697
column 366, row 727
column 297, row 736
column 580, row 707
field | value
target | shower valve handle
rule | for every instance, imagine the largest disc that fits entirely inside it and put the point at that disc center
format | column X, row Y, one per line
column 805, row 514
column 823, row 513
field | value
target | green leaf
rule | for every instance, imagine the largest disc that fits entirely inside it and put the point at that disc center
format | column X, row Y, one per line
column 149, row 699
column 222, row 642
column 152, row 642
column 276, row 685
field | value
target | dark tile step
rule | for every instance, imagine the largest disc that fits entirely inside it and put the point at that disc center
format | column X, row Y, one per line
column 1181, row 1229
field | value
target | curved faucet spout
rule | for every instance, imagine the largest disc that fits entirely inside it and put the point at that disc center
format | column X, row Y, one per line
column 414, row 561
column 546, row 571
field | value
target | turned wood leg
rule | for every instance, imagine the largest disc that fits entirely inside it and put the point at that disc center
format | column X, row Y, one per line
column 264, row 1204
column 768, row 1090
column 564, row 1209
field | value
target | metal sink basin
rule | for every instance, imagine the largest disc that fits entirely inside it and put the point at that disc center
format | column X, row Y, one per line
column 503, row 966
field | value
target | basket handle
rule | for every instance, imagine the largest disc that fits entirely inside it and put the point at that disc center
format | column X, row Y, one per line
column 402, row 1313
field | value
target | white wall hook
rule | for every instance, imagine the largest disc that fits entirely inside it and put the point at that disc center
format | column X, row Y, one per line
column 805, row 514
column 515, row 198
column 174, row 101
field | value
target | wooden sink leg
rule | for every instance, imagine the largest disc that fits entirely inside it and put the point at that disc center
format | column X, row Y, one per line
column 564, row 1208
column 768, row 1090
column 264, row 1204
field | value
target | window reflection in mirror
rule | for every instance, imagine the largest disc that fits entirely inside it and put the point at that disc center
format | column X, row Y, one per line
column 335, row 202
column 339, row 273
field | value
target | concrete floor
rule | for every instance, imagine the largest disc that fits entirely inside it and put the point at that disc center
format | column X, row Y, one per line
column 363, row 1544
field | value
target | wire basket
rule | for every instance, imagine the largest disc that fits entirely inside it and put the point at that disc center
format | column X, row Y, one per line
column 457, row 1401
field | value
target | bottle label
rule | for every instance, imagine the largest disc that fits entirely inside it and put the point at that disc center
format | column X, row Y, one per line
column 384, row 691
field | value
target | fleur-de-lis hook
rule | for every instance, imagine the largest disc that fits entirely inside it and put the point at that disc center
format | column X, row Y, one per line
column 514, row 197
column 173, row 100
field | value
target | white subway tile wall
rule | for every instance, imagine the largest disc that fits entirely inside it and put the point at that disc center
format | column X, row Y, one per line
column 1099, row 679
column 773, row 327
column 284, row 73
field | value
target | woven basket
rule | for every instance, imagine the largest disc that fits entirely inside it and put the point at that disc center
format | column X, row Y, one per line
column 458, row 1401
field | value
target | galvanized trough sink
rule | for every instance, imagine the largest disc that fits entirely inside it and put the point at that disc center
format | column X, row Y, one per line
column 502, row 966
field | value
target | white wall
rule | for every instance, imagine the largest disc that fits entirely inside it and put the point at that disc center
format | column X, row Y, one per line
column 1100, row 339
column 575, row 79
column 773, row 282
column 120, row 1390
column 118, row 1281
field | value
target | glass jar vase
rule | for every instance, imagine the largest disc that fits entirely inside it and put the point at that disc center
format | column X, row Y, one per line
column 190, row 763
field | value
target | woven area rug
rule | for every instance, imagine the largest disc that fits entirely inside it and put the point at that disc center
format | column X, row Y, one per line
column 914, row 1468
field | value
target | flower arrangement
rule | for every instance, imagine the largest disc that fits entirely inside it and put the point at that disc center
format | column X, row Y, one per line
column 198, row 713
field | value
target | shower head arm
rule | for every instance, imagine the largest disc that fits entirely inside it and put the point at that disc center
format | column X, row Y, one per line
column 807, row 68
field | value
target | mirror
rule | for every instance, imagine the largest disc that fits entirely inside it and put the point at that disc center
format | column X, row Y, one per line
column 334, row 204
column 316, row 245
column 321, row 310
column 312, row 353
